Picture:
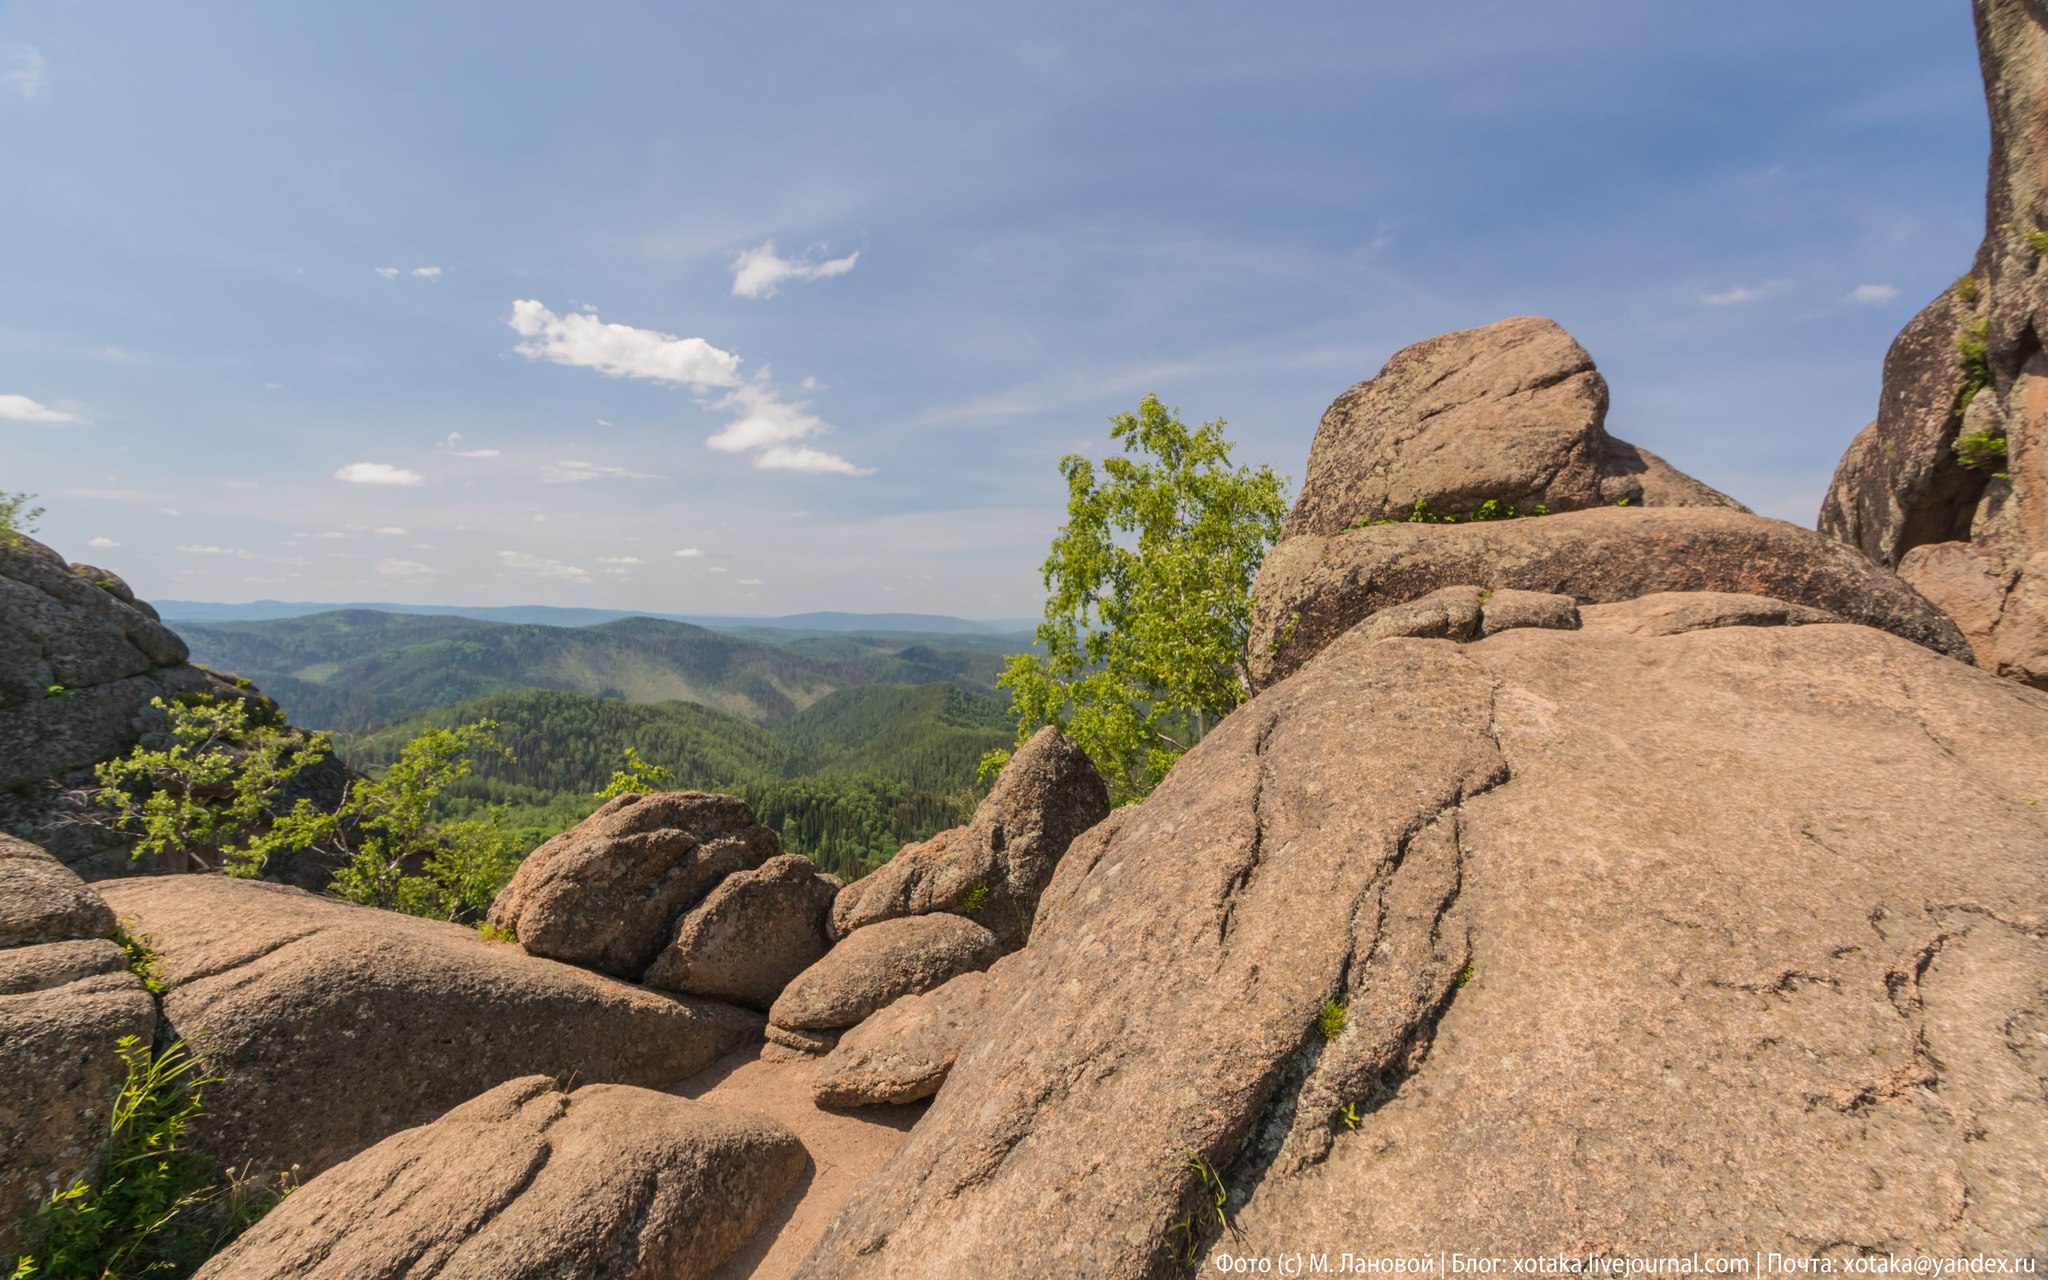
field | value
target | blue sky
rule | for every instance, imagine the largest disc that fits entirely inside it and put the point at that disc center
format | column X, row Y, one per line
column 773, row 307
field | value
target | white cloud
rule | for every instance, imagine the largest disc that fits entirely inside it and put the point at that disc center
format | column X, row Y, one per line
column 541, row 567
column 1742, row 293
column 406, row 569
column 21, row 69
column 718, row 568
column 427, row 273
column 1873, row 293
column 378, row 473
column 389, row 273
column 619, row 350
column 757, row 272
column 620, row 572
column 686, row 553
column 455, row 438
column 23, row 409
column 392, row 531
column 101, row 542
column 620, row 560
column 571, row 472
column 201, row 549
column 764, row 420
column 169, row 511
column 796, row 457
column 750, row 582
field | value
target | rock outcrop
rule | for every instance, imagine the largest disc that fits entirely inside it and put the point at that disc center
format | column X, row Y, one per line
column 335, row 1025
column 1002, row 859
column 1513, row 413
column 529, row 1183
column 1950, row 483
column 873, row 967
column 1548, row 941
column 904, row 1052
column 67, row 999
column 1313, row 589
column 752, row 934
column 607, row 892
column 80, row 660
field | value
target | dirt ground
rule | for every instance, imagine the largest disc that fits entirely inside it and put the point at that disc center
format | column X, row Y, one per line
column 845, row 1146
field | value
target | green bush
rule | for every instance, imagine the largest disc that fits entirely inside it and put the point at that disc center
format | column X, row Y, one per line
column 163, row 1206
column 1978, row 449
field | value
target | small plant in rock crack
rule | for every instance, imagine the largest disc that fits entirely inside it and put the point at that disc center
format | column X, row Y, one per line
column 976, row 899
column 1332, row 1018
column 1465, row 974
column 1183, row 1238
column 1349, row 1115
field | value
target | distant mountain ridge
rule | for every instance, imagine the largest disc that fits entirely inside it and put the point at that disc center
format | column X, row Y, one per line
column 357, row 669
column 558, row 616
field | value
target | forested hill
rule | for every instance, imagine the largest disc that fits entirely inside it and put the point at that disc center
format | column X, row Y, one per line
column 848, row 780
column 357, row 669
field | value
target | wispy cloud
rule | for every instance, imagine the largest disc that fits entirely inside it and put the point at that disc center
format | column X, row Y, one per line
column 540, row 566
column 620, row 560
column 795, row 457
column 1874, row 293
column 688, row 553
column 21, row 69
column 378, row 473
column 427, row 273
column 1741, row 293
column 202, row 549
column 389, row 273
column 763, row 419
column 23, row 409
column 455, row 438
column 391, row 531
column 620, row 350
column 101, row 542
column 569, row 472
column 409, row 569
column 750, row 582
column 757, row 272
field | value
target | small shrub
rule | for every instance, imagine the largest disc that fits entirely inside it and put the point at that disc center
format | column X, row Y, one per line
column 976, row 899
column 59, row 691
column 1977, row 449
column 162, row 1207
column 1332, row 1018
column 2038, row 240
column 1966, row 289
column 637, row 776
column 1491, row 509
column 1465, row 974
column 142, row 962
column 1349, row 1115
column 17, row 519
column 1973, row 353
column 492, row 933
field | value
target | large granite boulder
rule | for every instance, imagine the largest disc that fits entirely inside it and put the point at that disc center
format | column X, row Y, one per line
column 1513, row 413
column 67, row 1000
column 1551, row 941
column 873, row 967
column 335, row 1025
column 995, row 867
column 751, row 934
column 1312, row 589
column 529, row 1183
column 903, row 1053
column 1957, row 459
column 607, row 892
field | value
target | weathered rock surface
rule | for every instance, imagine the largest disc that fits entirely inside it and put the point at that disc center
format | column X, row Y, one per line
column 1046, row 795
column 336, row 1025
column 872, row 967
column 1512, row 413
column 751, row 934
column 1670, row 613
column 67, row 999
column 42, row 900
column 1311, row 590
column 528, row 1183
column 607, row 892
column 1737, row 937
column 1971, row 365
column 904, row 1052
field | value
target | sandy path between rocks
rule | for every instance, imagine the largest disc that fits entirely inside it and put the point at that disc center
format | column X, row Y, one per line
column 845, row 1146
